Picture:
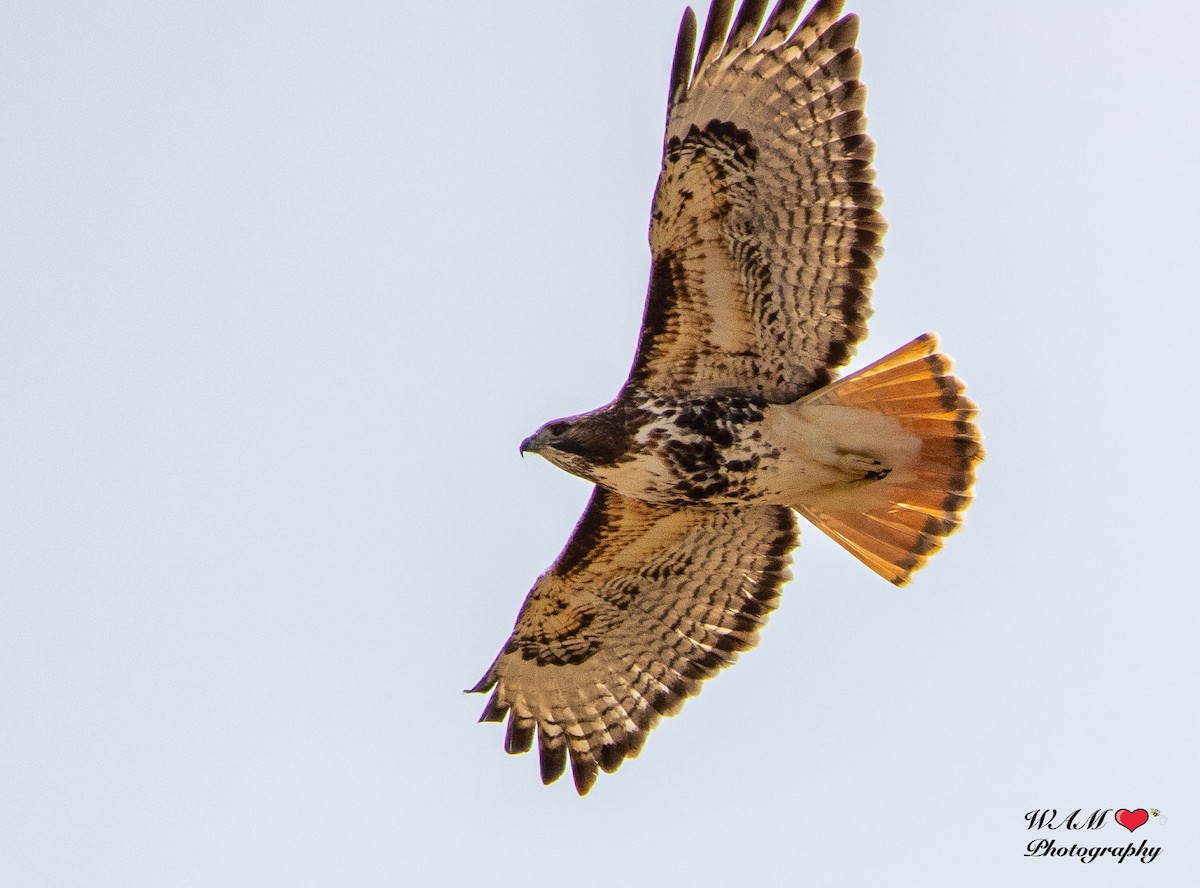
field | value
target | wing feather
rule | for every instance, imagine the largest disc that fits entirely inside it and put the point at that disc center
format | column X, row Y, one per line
column 782, row 20
column 716, row 28
column 681, row 63
column 644, row 603
column 746, row 25
column 765, row 227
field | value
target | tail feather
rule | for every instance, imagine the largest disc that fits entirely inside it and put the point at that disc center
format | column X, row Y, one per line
column 908, row 513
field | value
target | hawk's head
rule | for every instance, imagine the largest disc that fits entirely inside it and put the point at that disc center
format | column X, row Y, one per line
column 580, row 443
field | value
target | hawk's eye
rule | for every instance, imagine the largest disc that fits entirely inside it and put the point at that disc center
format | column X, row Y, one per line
column 557, row 428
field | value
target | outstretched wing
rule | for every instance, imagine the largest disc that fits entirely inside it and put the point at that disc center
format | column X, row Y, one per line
column 764, row 231
column 643, row 604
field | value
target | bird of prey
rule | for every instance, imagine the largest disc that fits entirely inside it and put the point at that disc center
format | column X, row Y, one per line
column 764, row 233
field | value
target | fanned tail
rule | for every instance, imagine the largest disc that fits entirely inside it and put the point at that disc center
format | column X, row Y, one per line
column 920, row 500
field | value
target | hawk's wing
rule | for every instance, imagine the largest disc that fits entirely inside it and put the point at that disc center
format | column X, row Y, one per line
column 764, row 230
column 643, row 603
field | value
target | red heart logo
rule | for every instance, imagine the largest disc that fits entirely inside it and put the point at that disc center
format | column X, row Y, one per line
column 1131, row 820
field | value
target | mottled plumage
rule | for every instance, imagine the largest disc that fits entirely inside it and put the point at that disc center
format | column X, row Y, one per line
column 644, row 603
column 764, row 234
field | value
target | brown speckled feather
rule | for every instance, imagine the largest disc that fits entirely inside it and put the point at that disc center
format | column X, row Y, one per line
column 642, row 605
column 765, row 225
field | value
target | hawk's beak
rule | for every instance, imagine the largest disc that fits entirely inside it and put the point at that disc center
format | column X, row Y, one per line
column 530, row 445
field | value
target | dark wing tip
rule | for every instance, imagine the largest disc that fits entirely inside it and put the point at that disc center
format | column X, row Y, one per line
column 747, row 23
column 552, row 759
column 584, row 771
column 824, row 12
column 519, row 736
column 845, row 32
column 495, row 710
column 681, row 64
column 611, row 756
column 716, row 27
column 783, row 17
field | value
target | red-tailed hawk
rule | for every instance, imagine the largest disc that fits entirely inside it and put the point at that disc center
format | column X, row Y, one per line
column 764, row 234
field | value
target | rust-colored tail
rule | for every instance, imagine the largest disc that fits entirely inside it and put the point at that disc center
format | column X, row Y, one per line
column 922, row 500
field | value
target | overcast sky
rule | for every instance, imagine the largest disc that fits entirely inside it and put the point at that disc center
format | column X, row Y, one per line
column 285, row 284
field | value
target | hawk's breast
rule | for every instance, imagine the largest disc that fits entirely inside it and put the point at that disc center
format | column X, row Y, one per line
column 695, row 450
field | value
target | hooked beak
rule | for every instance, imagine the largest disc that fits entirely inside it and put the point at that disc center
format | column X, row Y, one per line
column 532, row 444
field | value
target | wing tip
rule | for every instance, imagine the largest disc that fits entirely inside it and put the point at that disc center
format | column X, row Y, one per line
column 584, row 772
column 716, row 31
column 681, row 63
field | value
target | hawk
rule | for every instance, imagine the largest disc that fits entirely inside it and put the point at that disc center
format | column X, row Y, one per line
column 764, row 233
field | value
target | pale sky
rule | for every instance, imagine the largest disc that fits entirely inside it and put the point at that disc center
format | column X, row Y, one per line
column 285, row 284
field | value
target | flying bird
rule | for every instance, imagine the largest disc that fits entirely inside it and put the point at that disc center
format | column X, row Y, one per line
column 764, row 234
